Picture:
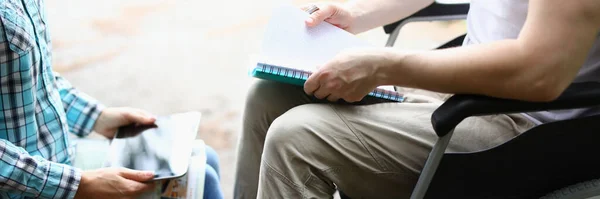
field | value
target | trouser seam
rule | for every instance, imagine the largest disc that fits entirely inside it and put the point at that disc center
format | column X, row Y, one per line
column 313, row 180
column 358, row 135
column 285, row 179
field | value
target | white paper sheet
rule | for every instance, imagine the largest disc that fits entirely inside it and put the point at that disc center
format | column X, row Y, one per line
column 288, row 42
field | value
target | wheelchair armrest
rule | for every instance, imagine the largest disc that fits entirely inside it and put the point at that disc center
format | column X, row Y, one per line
column 459, row 107
column 434, row 10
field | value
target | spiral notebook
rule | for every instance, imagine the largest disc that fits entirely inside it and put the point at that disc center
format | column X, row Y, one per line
column 291, row 50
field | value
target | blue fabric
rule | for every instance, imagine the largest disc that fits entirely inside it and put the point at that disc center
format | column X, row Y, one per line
column 212, row 188
column 212, row 158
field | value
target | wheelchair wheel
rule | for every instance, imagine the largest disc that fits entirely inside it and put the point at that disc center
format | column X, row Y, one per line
column 584, row 190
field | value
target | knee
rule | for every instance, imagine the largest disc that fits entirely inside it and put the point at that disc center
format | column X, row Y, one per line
column 262, row 91
column 288, row 128
column 267, row 100
column 211, row 184
column 294, row 130
column 212, row 158
column 211, row 176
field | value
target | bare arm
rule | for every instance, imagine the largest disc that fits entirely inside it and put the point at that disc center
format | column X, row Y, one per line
column 361, row 15
column 537, row 66
column 375, row 13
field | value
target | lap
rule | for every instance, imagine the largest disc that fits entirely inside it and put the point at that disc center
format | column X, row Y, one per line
column 379, row 126
column 392, row 131
column 385, row 144
column 378, row 143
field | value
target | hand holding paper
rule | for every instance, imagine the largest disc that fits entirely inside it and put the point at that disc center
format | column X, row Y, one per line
column 332, row 13
column 291, row 51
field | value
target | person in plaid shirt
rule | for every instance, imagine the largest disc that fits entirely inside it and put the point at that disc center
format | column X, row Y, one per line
column 37, row 110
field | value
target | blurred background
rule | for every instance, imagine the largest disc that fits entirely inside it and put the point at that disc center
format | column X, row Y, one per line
column 169, row 56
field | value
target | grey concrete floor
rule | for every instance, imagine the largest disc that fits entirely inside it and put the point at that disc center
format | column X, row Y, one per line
column 169, row 56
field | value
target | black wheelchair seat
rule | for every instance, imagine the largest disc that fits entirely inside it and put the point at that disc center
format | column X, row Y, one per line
column 545, row 158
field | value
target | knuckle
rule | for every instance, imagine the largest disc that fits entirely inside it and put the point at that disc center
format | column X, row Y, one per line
column 332, row 85
column 309, row 87
column 307, row 90
column 318, row 96
column 329, row 8
column 121, row 171
column 117, row 172
column 321, row 95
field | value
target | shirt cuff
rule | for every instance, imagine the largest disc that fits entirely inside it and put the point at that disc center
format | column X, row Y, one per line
column 82, row 118
column 62, row 181
column 93, row 117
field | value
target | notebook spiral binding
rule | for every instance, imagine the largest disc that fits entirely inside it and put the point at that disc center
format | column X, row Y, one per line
column 303, row 75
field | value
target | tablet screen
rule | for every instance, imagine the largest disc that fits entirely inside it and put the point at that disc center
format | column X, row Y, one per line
column 164, row 148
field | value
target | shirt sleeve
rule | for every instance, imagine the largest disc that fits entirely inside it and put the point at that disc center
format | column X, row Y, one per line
column 81, row 109
column 33, row 176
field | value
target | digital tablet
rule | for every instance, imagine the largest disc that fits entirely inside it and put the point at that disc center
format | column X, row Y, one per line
column 165, row 147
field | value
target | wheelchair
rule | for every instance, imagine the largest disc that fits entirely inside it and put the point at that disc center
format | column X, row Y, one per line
column 557, row 160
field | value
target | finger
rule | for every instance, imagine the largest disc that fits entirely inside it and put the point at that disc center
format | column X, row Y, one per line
column 138, row 117
column 333, row 88
column 333, row 98
column 322, row 93
column 140, row 176
column 147, row 115
column 135, row 189
column 353, row 98
column 324, row 12
column 346, row 95
column 312, row 83
column 329, row 90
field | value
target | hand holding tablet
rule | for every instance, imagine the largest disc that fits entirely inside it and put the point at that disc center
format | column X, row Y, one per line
column 164, row 147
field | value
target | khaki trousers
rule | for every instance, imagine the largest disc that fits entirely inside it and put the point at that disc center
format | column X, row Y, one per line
column 294, row 146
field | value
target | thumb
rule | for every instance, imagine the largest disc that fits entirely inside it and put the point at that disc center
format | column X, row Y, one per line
column 139, row 117
column 324, row 12
column 139, row 176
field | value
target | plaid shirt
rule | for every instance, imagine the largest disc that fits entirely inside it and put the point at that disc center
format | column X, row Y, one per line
column 37, row 109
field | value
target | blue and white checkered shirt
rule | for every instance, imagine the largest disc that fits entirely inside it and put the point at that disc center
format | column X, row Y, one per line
column 37, row 109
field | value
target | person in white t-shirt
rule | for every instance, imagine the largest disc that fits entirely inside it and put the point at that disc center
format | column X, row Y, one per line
column 296, row 145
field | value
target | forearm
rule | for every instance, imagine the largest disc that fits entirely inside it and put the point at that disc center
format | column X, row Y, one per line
column 374, row 13
column 501, row 69
column 536, row 66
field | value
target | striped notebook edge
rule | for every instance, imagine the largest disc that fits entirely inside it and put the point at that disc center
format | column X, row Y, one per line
column 298, row 77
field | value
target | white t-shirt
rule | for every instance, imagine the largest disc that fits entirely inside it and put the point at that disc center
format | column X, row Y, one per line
column 492, row 20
